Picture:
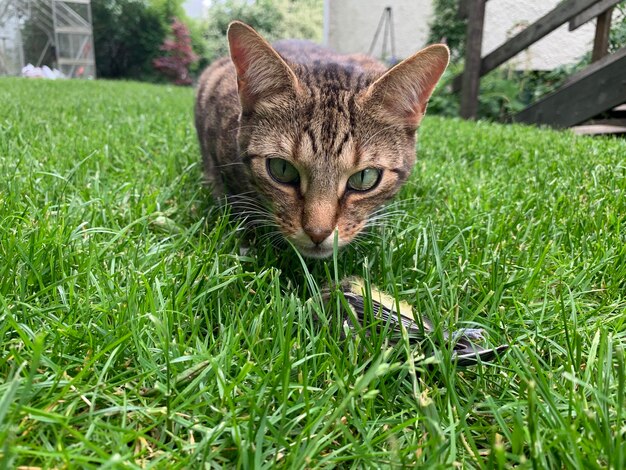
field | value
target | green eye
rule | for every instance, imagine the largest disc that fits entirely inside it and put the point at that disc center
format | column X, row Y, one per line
column 282, row 171
column 364, row 179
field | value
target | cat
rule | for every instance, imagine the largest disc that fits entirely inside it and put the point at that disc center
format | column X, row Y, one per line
column 307, row 140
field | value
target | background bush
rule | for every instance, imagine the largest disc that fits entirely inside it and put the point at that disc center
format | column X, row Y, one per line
column 178, row 55
column 447, row 27
column 274, row 19
column 617, row 36
column 127, row 35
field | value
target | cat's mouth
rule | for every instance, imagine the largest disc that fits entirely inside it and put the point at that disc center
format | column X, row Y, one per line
column 314, row 250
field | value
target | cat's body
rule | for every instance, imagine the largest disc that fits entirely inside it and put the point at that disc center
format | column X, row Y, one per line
column 319, row 139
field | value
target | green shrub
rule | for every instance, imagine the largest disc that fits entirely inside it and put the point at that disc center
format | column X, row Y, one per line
column 447, row 27
column 500, row 96
column 127, row 35
column 617, row 36
column 274, row 19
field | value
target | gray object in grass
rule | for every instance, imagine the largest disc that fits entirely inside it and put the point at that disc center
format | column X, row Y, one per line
column 464, row 341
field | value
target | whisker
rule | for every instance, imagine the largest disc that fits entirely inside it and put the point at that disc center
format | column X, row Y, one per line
column 394, row 216
column 229, row 164
column 395, row 208
column 258, row 221
column 269, row 236
column 251, row 209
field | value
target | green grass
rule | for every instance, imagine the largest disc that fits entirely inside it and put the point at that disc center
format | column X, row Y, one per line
column 133, row 333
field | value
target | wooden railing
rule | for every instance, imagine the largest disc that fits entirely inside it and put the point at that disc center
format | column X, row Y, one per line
column 577, row 12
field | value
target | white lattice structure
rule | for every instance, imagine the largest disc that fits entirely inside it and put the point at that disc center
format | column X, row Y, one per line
column 65, row 23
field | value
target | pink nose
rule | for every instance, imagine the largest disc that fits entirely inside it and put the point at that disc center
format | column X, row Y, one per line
column 318, row 234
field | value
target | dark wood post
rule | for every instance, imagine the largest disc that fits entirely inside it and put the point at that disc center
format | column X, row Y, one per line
column 470, row 84
column 601, row 41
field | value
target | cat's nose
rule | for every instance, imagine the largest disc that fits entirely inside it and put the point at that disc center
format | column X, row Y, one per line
column 318, row 234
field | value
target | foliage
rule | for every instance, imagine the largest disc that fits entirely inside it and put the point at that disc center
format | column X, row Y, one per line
column 274, row 19
column 536, row 84
column 175, row 64
column 302, row 19
column 169, row 10
column 199, row 45
column 135, row 333
column 617, row 35
column 501, row 94
column 447, row 27
column 443, row 101
column 503, row 91
column 127, row 36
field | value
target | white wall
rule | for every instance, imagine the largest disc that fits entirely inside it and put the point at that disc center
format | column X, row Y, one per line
column 505, row 18
column 352, row 24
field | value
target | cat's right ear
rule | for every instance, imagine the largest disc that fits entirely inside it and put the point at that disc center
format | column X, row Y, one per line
column 261, row 72
column 402, row 93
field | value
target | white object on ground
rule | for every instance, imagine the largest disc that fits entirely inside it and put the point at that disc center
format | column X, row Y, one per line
column 30, row 71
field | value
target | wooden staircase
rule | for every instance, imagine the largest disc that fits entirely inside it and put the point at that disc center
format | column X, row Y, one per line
column 599, row 88
column 591, row 94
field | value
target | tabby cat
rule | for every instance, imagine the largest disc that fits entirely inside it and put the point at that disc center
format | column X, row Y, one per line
column 309, row 141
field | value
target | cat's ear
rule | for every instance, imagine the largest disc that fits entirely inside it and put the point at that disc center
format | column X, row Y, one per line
column 402, row 93
column 261, row 72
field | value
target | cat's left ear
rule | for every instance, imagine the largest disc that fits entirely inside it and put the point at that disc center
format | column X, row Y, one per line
column 404, row 90
column 261, row 72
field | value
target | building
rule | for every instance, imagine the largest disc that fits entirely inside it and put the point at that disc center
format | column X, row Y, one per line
column 65, row 29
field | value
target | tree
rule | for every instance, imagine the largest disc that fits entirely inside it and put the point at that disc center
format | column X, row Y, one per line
column 448, row 27
column 169, row 10
column 175, row 64
column 274, row 19
column 617, row 37
column 127, row 35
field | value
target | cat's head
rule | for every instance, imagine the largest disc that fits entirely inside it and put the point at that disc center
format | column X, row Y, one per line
column 327, row 148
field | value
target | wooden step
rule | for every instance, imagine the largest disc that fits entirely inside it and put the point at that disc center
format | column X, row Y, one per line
column 599, row 129
column 595, row 90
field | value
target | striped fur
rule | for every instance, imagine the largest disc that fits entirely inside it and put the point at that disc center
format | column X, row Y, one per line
column 330, row 115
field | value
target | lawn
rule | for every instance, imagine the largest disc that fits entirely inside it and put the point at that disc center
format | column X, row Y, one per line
column 135, row 332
